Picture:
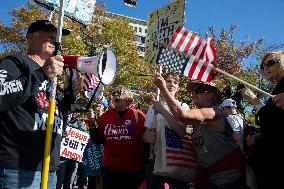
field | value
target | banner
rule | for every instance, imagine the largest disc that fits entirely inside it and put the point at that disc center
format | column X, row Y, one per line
column 92, row 159
column 162, row 24
column 74, row 144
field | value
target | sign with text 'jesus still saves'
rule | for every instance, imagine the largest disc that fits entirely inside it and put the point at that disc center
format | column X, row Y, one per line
column 73, row 145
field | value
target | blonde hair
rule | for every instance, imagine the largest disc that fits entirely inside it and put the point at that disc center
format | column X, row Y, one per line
column 276, row 56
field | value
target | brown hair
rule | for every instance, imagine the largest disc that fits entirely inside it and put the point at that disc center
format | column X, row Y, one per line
column 173, row 74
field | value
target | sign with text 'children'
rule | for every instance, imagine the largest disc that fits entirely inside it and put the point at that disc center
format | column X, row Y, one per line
column 162, row 24
column 74, row 144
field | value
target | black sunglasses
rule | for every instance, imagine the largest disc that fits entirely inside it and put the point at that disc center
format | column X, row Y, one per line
column 268, row 64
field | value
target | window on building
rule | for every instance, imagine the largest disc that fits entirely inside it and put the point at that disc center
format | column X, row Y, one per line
column 141, row 49
column 135, row 28
column 145, row 30
column 138, row 38
column 140, row 30
column 143, row 39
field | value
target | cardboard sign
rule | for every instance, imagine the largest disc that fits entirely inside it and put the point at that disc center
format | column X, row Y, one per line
column 162, row 23
column 92, row 159
column 79, row 10
column 73, row 146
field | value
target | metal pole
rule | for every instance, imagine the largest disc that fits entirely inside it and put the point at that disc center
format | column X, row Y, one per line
column 52, row 104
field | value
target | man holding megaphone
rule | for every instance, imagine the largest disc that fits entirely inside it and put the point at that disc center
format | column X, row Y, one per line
column 24, row 93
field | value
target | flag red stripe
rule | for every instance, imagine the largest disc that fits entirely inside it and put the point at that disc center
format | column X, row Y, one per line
column 211, row 75
column 180, row 152
column 189, row 42
column 212, row 50
column 182, row 159
column 172, row 40
column 197, row 46
column 201, row 72
column 181, row 165
column 90, row 81
column 202, row 53
column 183, row 37
column 192, row 69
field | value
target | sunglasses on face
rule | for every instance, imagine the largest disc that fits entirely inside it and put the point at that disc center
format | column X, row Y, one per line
column 118, row 93
column 268, row 64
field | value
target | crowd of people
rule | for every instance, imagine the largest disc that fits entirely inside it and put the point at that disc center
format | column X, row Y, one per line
column 217, row 129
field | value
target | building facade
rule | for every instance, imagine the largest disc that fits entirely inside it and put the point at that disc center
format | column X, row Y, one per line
column 140, row 28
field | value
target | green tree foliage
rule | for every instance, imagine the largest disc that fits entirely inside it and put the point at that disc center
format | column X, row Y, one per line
column 13, row 37
column 104, row 31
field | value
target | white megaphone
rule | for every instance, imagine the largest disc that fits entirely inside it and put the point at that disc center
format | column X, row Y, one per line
column 102, row 65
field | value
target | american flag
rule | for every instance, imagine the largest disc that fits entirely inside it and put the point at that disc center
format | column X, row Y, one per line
column 90, row 81
column 179, row 151
column 179, row 159
column 90, row 84
column 194, row 59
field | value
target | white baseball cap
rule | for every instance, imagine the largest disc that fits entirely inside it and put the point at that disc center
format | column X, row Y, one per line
column 229, row 102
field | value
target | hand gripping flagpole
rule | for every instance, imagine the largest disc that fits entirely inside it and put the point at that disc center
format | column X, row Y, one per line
column 52, row 104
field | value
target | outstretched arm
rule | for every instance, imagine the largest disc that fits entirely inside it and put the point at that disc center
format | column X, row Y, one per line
column 193, row 116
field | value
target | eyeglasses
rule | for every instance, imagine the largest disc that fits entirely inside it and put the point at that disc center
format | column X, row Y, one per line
column 118, row 93
column 268, row 64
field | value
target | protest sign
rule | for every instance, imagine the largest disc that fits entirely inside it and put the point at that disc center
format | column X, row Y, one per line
column 74, row 144
column 162, row 23
column 78, row 10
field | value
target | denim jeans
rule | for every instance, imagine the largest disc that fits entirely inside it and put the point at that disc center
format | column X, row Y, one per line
column 18, row 179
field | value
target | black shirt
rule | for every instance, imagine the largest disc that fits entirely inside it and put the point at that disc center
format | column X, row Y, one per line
column 24, row 101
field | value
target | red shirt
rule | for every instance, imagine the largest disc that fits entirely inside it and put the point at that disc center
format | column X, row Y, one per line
column 122, row 140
